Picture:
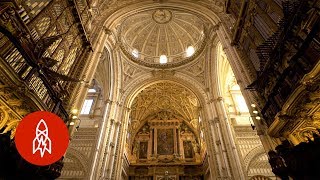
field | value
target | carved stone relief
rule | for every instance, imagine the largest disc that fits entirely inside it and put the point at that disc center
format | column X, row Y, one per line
column 197, row 70
column 129, row 71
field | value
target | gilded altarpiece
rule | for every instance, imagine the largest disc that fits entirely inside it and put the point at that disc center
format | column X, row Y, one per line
column 188, row 149
column 165, row 149
column 165, row 141
column 143, row 150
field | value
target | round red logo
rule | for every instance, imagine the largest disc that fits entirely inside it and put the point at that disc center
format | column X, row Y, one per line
column 42, row 138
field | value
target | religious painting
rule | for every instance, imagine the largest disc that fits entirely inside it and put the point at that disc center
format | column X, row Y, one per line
column 143, row 150
column 165, row 142
column 188, row 149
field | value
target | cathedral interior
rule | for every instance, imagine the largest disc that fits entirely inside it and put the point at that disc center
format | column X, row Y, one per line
column 165, row 89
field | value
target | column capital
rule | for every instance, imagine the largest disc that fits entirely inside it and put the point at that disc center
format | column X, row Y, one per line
column 108, row 101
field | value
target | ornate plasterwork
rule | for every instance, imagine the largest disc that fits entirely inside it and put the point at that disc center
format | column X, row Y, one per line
column 11, row 112
column 75, row 165
column 150, row 34
column 197, row 70
column 107, row 8
column 12, row 106
column 164, row 96
column 162, row 16
column 301, row 111
column 129, row 71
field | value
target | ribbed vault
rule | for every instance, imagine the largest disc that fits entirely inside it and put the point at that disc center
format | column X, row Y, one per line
column 164, row 99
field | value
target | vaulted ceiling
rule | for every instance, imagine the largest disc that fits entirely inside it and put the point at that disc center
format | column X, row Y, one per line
column 162, row 100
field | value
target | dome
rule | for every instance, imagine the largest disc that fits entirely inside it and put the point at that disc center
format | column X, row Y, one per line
column 149, row 35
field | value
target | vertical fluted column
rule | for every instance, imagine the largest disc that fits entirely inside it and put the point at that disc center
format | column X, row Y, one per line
column 101, row 138
column 222, row 146
column 113, row 148
column 179, row 142
column 222, row 167
column 107, row 150
column 214, row 158
column 155, row 136
column 150, row 144
column 175, row 141
column 121, row 144
column 236, row 164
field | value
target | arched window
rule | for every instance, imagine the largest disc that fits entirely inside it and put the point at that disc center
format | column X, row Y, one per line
column 90, row 101
column 86, row 106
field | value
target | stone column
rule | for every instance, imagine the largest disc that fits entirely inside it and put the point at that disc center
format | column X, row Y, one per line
column 214, row 158
column 107, row 150
column 150, row 144
column 123, row 132
column 101, row 138
column 230, row 145
column 179, row 142
column 217, row 148
column 113, row 146
column 152, row 147
column 175, row 141
column 222, row 147
column 155, row 136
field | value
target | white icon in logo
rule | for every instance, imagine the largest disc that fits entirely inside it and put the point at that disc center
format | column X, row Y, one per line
column 41, row 142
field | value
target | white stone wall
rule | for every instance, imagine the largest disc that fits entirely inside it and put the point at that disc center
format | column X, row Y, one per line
column 79, row 154
column 255, row 160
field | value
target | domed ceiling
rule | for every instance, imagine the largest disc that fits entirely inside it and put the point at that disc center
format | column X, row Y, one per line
column 148, row 35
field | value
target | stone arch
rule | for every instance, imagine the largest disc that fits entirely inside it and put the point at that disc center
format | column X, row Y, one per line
column 79, row 158
column 144, row 80
column 106, row 37
column 103, row 77
column 251, row 155
column 222, row 68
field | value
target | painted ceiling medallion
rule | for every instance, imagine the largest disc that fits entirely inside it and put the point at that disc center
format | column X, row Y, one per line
column 162, row 16
column 148, row 35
